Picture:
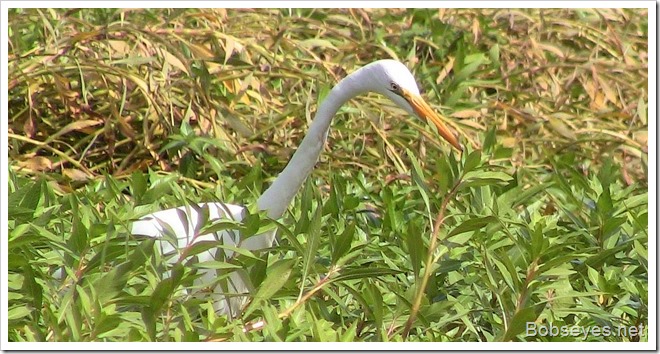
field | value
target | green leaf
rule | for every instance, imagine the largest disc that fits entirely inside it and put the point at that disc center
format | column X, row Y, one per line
column 16, row 313
column 157, row 190
column 25, row 200
column 312, row 245
column 138, row 185
column 632, row 203
column 239, row 250
column 641, row 250
column 165, row 288
column 558, row 272
column 472, row 161
column 519, row 322
column 494, row 56
column 473, row 61
column 360, row 273
column 593, row 276
column 221, row 225
column 343, row 243
column 482, row 178
column 276, row 276
column 418, row 178
column 216, row 265
column 473, row 224
column 350, row 333
column 519, row 195
column 199, row 247
column 78, row 239
column 416, row 248
column 113, row 282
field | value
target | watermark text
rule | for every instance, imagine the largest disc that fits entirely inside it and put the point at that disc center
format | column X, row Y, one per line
column 584, row 332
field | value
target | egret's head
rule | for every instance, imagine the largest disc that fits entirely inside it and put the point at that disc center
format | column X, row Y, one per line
column 394, row 80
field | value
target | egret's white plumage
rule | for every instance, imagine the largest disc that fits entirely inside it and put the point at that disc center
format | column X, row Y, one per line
column 388, row 77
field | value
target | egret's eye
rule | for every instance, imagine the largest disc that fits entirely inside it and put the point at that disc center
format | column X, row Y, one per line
column 394, row 87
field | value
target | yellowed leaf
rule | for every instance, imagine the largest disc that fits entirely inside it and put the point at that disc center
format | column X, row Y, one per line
column 245, row 100
column 508, row 142
column 80, row 125
column 230, row 45
column 220, row 14
column 476, row 30
column 552, row 49
column 121, row 48
column 276, row 102
column 213, row 68
column 231, row 85
column 598, row 102
column 641, row 109
column 597, row 98
column 75, row 174
column 30, row 126
column 200, row 50
column 608, row 90
column 473, row 124
column 36, row 163
column 255, row 83
column 125, row 128
column 174, row 61
column 620, row 136
column 560, row 127
column 466, row 113
column 642, row 137
column 445, row 70
column 255, row 95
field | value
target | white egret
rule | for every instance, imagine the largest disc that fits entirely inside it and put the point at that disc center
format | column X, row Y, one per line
column 387, row 77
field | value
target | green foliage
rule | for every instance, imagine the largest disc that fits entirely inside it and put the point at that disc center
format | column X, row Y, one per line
column 543, row 219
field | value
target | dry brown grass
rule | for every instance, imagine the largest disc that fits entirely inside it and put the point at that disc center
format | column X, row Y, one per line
column 96, row 91
column 539, row 226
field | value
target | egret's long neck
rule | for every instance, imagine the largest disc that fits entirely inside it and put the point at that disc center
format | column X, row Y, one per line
column 278, row 196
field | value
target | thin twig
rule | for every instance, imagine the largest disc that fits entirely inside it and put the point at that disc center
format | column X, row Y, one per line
column 325, row 280
column 429, row 258
column 259, row 324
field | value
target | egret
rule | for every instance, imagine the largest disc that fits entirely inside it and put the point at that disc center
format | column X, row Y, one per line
column 387, row 77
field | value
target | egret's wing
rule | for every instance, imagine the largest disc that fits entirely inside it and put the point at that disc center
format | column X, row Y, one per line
column 178, row 228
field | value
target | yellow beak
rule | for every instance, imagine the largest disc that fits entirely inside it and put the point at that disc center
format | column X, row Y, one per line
column 423, row 110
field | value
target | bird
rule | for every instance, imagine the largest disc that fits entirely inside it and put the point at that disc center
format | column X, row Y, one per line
column 177, row 228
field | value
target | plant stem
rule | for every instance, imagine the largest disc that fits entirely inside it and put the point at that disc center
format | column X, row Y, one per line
column 429, row 258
